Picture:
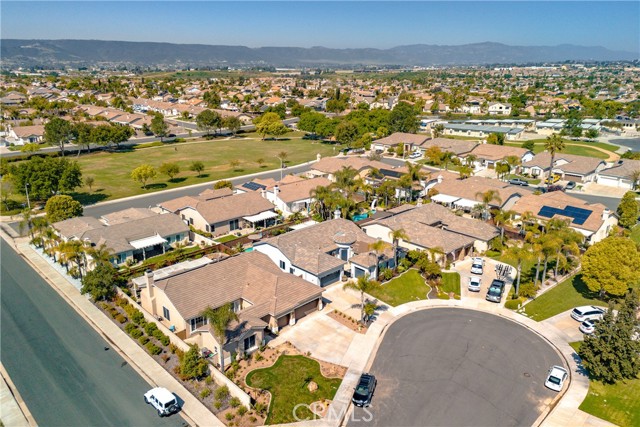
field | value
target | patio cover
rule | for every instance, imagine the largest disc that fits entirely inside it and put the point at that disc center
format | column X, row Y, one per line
column 443, row 198
column 466, row 203
column 261, row 216
column 147, row 241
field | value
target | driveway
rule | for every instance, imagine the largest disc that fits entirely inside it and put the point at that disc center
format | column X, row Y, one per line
column 566, row 325
column 453, row 367
column 488, row 274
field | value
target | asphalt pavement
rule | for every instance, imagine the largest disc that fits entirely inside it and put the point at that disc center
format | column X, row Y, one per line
column 59, row 363
column 452, row 367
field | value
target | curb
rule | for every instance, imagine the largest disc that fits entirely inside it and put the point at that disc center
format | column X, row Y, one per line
column 24, row 417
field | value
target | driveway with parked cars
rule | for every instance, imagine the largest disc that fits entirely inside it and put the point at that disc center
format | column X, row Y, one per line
column 488, row 274
column 456, row 367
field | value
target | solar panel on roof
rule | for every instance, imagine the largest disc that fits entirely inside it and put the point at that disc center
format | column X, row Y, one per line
column 578, row 215
column 253, row 186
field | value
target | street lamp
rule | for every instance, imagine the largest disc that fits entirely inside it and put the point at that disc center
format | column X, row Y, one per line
column 281, row 166
column 26, row 190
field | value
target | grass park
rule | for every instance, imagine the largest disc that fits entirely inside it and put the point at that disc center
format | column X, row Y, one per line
column 598, row 150
column 112, row 170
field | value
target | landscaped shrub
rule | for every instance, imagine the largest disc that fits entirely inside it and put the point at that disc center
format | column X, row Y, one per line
column 138, row 318
column 157, row 334
column 512, row 304
column 165, row 358
column 528, row 290
column 143, row 339
column 153, row 349
column 222, row 393
column 217, row 404
column 120, row 318
column 123, row 303
column 401, row 269
column 234, row 402
column 386, row 274
column 173, row 348
column 259, row 357
column 150, row 328
column 113, row 312
column 105, row 306
column 136, row 333
column 192, row 365
column 205, row 393
column 242, row 410
column 260, row 408
column 208, row 381
column 130, row 327
column 229, row 416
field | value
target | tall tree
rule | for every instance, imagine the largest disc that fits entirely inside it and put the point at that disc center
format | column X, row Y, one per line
column 232, row 123
column 611, row 266
column 364, row 284
column 486, row 198
column 58, row 132
column 403, row 118
column 396, row 236
column 219, row 320
column 520, row 254
column 61, row 207
column 100, row 282
column 170, row 169
column 553, row 144
column 346, row 133
column 628, row 210
column 265, row 122
column 159, row 127
column 143, row 174
column 208, row 121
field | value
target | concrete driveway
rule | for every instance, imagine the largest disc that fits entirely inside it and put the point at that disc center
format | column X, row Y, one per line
column 566, row 325
column 489, row 273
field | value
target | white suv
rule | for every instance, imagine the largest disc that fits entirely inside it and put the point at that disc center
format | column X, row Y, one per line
column 474, row 284
column 163, row 400
column 587, row 312
column 476, row 265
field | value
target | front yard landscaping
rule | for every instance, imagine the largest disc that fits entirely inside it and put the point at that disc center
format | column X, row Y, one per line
column 450, row 285
column 617, row 403
column 290, row 381
column 409, row 286
column 568, row 294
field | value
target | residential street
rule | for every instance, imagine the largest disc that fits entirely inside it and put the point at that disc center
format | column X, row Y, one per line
column 59, row 363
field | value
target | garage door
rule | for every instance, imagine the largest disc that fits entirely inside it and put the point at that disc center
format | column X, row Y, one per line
column 330, row 278
column 308, row 308
column 283, row 321
column 611, row 182
column 359, row 271
column 573, row 178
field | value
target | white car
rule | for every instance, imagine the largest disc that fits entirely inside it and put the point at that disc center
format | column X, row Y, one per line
column 587, row 312
column 556, row 377
column 474, row 284
column 415, row 155
column 588, row 327
column 476, row 265
column 163, row 400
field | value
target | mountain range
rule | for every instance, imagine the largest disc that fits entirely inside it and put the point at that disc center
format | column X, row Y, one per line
column 15, row 52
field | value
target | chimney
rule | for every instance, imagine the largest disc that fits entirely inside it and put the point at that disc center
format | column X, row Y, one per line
column 337, row 214
column 276, row 190
column 439, row 179
column 606, row 214
column 148, row 278
column 318, row 157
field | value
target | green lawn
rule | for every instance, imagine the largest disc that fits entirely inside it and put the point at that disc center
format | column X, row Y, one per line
column 408, row 287
column 617, row 403
column 566, row 295
column 112, row 171
column 451, row 283
column 570, row 148
column 287, row 382
column 635, row 234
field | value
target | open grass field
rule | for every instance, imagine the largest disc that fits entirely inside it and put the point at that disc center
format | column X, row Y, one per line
column 578, row 148
column 410, row 286
column 287, row 382
column 112, row 171
column 617, row 403
column 566, row 295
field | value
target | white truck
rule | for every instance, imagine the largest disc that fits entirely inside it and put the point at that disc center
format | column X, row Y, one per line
column 163, row 400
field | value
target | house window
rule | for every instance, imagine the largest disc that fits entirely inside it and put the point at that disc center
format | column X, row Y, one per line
column 207, row 228
column 292, row 270
column 165, row 313
column 250, row 342
column 190, row 221
column 197, row 322
column 282, row 265
column 234, row 224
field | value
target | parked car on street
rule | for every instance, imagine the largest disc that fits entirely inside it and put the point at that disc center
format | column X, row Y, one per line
column 556, row 378
column 552, row 180
column 518, row 181
column 588, row 327
column 570, row 185
column 415, row 155
column 474, row 284
column 587, row 312
column 496, row 289
column 163, row 400
column 364, row 390
column 476, row 265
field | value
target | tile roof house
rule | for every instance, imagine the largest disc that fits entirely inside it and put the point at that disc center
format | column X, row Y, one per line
column 433, row 226
column 220, row 211
column 593, row 220
column 328, row 166
column 487, row 155
column 294, row 194
column 130, row 234
column 569, row 166
column 319, row 253
column 621, row 174
column 456, row 146
column 464, row 193
column 20, row 135
column 409, row 140
column 260, row 293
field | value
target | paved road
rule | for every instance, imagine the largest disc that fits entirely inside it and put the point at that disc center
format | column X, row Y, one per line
column 459, row 367
column 610, row 202
column 58, row 362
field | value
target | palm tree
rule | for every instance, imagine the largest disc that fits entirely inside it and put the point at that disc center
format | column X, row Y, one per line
column 396, row 236
column 51, row 241
column 219, row 320
column 74, row 251
column 554, row 144
column 344, row 179
column 322, row 196
column 101, row 254
column 363, row 285
column 414, row 175
column 486, row 198
column 26, row 222
column 520, row 253
column 502, row 218
column 378, row 247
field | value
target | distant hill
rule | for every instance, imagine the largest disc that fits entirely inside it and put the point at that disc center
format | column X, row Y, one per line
column 91, row 52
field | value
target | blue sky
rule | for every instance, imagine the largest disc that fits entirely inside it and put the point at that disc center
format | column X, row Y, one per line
column 615, row 25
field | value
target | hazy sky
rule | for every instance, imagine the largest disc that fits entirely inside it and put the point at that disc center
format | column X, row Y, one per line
column 615, row 25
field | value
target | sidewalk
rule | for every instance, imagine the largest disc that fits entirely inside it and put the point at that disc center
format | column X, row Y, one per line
column 14, row 411
column 193, row 410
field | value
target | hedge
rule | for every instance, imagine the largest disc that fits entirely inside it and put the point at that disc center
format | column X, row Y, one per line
column 136, row 333
column 153, row 349
column 144, row 339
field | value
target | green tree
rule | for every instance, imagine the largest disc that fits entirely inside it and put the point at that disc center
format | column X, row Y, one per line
column 611, row 266
column 59, row 208
column 232, row 123
column 83, row 135
column 278, row 129
column 101, row 282
column 45, row 176
column 364, row 284
column 58, row 132
column 265, row 122
column 553, row 144
column 346, row 133
column 592, row 134
column 396, row 236
column 486, row 198
column 437, row 130
column 496, row 139
column 403, row 118
column 223, row 184
column 197, row 167
column 219, row 320
column 170, row 169
column 529, row 145
column 143, row 174
column 159, row 127
column 520, row 254
column 208, row 120
column 192, row 365
column 610, row 354
column 101, row 254
column 309, row 121
column 628, row 210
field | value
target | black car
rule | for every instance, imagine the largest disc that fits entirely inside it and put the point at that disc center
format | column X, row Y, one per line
column 518, row 181
column 364, row 391
column 496, row 289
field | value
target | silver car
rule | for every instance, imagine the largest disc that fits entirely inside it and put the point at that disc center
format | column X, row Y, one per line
column 474, row 284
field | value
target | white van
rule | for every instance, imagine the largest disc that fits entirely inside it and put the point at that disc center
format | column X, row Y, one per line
column 163, row 400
